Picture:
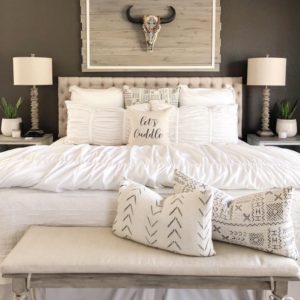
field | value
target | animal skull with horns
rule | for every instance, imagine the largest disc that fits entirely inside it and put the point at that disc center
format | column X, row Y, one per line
column 151, row 25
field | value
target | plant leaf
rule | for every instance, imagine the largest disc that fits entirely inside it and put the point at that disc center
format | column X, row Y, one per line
column 19, row 102
column 293, row 110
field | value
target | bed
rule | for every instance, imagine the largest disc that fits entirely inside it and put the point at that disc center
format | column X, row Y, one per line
column 95, row 204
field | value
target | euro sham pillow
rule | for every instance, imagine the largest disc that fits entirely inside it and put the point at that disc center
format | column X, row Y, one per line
column 206, row 97
column 208, row 125
column 149, row 128
column 180, row 223
column 134, row 96
column 261, row 221
column 96, row 126
column 101, row 98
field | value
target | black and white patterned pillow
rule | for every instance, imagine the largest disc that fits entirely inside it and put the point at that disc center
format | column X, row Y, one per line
column 261, row 221
column 180, row 223
column 134, row 95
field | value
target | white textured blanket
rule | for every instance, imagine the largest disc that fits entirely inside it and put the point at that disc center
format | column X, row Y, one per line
column 67, row 167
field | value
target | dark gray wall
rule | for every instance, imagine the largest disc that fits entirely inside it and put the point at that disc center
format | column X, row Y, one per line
column 52, row 28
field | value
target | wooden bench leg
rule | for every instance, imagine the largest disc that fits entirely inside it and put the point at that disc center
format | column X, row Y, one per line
column 280, row 291
column 19, row 287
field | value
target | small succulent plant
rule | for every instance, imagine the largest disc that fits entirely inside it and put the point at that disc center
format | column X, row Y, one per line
column 286, row 110
column 9, row 110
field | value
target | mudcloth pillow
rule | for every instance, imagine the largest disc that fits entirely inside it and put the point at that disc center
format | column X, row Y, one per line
column 261, row 221
column 134, row 96
column 180, row 223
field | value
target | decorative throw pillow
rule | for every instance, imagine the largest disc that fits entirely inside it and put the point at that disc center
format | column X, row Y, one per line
column 153, row 106
column 97, row 126
column 101, row 98
column 180, row 223
column 261, row 221
column 134, row 96
column 206, row 97
column 149, row 128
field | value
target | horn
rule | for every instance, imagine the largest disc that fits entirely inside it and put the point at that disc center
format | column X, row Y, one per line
column 169, row 18
column 135, row 20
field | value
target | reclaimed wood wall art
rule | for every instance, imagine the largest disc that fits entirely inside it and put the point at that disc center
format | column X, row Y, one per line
column 192, row 42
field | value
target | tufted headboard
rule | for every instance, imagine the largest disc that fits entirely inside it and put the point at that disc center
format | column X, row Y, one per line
column 147, row 82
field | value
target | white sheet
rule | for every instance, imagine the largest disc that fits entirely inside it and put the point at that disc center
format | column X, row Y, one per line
column 68, row 167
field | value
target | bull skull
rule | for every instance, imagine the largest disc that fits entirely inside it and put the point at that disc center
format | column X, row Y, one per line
column 151, row 25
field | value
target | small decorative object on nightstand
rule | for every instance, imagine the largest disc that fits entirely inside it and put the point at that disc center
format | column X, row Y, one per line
column 11, row 121
column 255, row 140
column 10, row 142
column 33, row 71
column 286, row 121
column 266, row 71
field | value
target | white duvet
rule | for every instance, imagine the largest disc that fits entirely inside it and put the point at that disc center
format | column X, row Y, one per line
column 67, row 167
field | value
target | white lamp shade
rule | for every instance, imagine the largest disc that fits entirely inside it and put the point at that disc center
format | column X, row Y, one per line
column 266, row 71
column 32, row 71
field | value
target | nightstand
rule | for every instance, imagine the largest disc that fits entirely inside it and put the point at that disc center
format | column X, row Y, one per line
column 7, row 143
column 256, row 140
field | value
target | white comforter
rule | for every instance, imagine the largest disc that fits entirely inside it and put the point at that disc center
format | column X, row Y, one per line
column 67, row 167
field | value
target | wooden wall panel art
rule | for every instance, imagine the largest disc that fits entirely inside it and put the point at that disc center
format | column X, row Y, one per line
column 191, row 42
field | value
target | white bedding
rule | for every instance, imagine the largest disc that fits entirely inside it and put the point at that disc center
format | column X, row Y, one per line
column 238, row 168
column 67, row 167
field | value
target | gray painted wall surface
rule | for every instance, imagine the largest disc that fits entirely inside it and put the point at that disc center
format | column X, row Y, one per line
column 52, row 28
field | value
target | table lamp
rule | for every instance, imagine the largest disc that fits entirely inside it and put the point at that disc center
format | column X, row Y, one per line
column 33, row 71
column 266, row 71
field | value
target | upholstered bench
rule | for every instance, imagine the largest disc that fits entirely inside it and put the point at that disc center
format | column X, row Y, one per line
column 94, row 257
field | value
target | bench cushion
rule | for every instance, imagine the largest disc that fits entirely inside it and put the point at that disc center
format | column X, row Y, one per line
column 47, row 250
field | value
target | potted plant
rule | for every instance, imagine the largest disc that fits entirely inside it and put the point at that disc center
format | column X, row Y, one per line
column 11, row 121
column 286, row 121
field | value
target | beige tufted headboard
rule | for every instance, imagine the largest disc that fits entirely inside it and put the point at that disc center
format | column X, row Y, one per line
column 148, row 82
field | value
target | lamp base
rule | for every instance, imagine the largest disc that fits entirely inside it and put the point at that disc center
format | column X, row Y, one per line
column 34, row 133
column 265, row 133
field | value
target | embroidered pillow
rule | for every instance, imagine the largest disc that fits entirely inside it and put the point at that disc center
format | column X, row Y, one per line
column 180, row 223
column 261, row 221
column 134, row 96
column 149, row 128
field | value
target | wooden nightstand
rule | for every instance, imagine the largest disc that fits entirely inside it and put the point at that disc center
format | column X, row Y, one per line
column 292, row 142
column 7, row 143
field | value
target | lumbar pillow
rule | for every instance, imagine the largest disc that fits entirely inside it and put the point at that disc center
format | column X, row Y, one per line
column 149, row 128
column 134, row 96
column 97, row 126
column 180, row 223
column 101, row 98
column 261, row 221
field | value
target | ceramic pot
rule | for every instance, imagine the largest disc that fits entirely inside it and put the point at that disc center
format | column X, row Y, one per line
column 288, row 126
column 8, row 125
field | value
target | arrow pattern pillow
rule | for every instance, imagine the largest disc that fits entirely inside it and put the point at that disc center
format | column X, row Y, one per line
column 180, row 223
column 261, row 221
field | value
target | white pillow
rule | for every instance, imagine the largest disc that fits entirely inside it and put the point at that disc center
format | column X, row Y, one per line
column 180, row 223
column 154, row 106
column 111, row 97
column 98, row 126
column 205, row 125
column 149, row 128
column 206, row 97
column 261, row 221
